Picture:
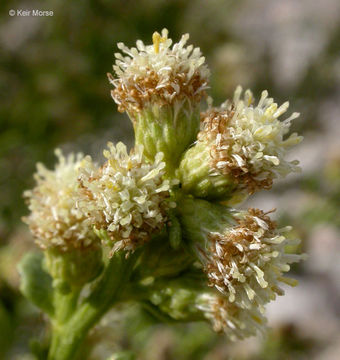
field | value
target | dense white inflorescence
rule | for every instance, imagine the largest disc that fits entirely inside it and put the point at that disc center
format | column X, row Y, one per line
column 241, row 148
column 127, row 197
column 234, row 321
column 249, row 141
column 246, row 262
column 54, row 219
column 158, row 74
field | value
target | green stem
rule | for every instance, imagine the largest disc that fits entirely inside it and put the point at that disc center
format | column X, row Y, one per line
column 65, row 305
column 67, row 339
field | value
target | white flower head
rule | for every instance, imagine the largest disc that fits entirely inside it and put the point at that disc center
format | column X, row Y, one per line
column 160, row 73
column 230, row 319
column 127, row 197
column 248, row 141
column 54, row 219
column 246, row 262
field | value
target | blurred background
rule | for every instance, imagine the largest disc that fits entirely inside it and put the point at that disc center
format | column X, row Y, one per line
column 54, row 93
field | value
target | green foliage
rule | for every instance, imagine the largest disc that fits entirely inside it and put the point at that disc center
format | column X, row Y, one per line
column 36, row 283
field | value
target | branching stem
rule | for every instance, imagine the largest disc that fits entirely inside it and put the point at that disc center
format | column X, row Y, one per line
column 68, row 336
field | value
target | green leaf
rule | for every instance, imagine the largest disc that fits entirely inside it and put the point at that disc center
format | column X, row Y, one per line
column 36, row 284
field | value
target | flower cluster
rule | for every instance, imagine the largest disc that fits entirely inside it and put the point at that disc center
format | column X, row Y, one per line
column 126, row 197
column 55, row 220
column 242, row 253
column 160, row 86
column 203, row 260
column 240, row 145
column 158, row 74
column 246, row 262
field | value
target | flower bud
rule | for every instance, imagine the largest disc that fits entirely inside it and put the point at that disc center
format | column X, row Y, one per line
column 160, row 87
column 127, row 199
column 240, row 149
column 242, row 252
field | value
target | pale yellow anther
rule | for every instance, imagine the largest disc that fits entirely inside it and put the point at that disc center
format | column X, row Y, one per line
column 157, row 39
column 112, row 186
column 109, row 184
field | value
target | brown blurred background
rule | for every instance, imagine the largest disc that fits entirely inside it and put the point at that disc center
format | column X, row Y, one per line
column 54, row 93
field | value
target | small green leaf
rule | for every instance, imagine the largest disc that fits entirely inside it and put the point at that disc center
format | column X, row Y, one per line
column 36, row 284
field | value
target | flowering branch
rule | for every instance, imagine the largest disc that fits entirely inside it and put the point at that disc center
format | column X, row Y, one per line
column 155, row 225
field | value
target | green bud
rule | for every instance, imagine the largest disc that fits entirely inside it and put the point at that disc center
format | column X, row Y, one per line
column 73, row 268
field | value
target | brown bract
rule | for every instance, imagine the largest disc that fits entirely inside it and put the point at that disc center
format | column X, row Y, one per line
column 214, row 125
column 136, row 93
column 71, row 240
